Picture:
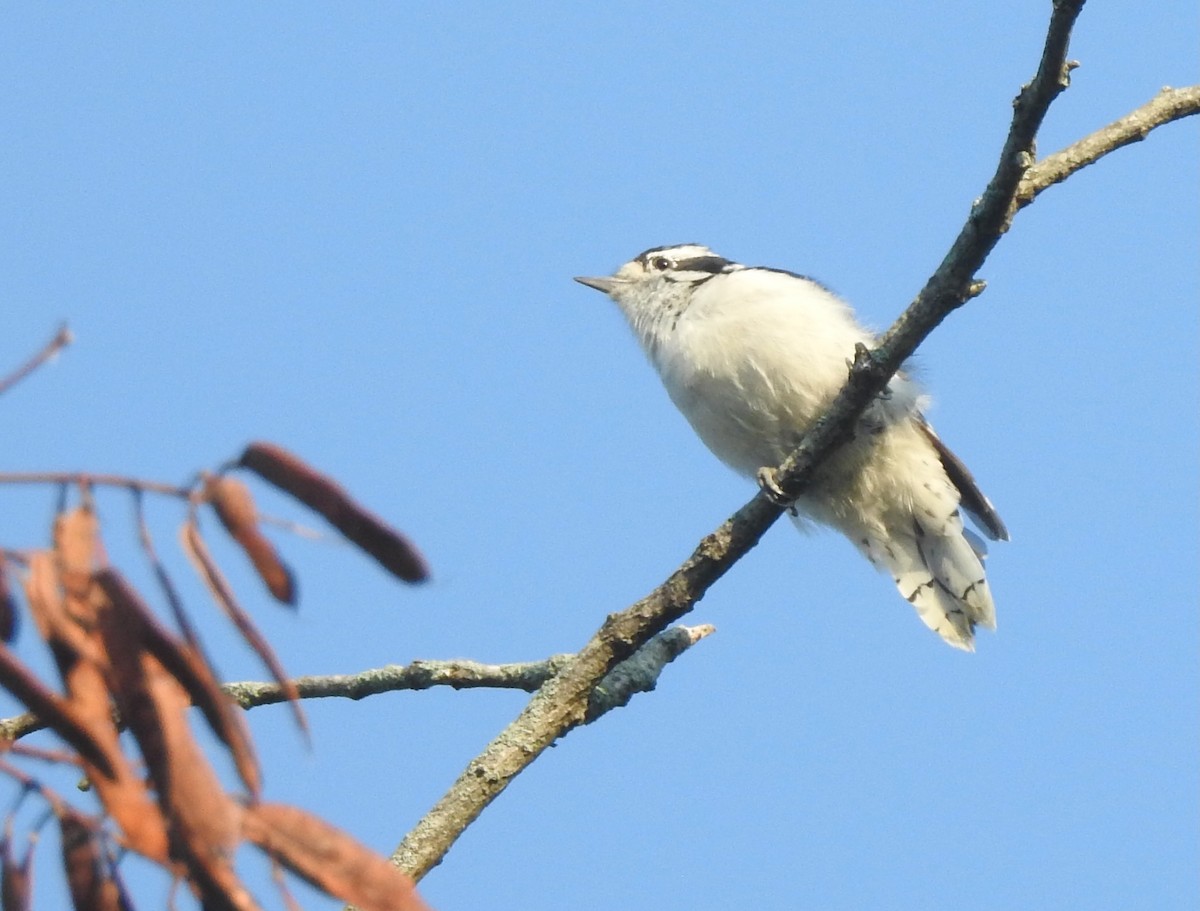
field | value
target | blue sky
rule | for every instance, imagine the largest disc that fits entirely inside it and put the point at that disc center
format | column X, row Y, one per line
column 352, row 230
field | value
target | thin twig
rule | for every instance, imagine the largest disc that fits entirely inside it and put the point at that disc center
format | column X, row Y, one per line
column 53, row 757
column 303, row 531
column 61, row 339
column 100, row 480
column 170, row 592
column 32, row 785
column 19, row 726
column 419, row 675
column 636, row 675
column 1167, row 106
column 561, row 704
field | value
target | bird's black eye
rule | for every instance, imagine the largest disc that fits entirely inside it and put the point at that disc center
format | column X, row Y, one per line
column 661, row 263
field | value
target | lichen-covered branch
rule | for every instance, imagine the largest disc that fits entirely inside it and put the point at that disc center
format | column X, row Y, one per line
column 417, row 675
column 1167, row 106
column 637, row 674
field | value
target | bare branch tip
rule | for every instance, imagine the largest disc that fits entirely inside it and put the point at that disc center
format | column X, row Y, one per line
column 696, row 633
column 61, row 339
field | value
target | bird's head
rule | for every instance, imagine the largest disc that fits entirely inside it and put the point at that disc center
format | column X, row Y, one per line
column 658, row 268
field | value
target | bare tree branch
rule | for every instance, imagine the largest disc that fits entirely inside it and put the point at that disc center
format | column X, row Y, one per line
column 634, row 675
column 18, row 726
column 561, row 704
column 637, row 674
column 95, row 480
column 61, row 339
column 1167, row 106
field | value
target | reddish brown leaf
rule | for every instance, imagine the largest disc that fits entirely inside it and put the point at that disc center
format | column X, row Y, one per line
column 235, row 508
column 323, row 495
column 51, row 708
column 65, row 637
column 329, row 859
column 8, row 604
column 16, row 879
column 204, row 821
column 123, row 792
column 41, row 591
column 136, row 621
column 89, row 876
column 197, row 551
column 75, row 546
column 85, row 718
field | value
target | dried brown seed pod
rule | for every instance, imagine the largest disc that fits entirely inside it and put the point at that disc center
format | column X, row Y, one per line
column 234, row 506
column 323, row 495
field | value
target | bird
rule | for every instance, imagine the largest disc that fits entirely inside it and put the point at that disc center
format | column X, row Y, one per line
column 752, row 356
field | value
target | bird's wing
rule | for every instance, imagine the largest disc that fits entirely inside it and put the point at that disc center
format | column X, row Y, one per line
column 973, row 500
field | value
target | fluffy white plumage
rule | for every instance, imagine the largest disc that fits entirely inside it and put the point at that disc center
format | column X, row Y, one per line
column 752, row 357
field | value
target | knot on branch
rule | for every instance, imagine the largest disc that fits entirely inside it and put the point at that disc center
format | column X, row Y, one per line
column 1064, row 76
column 867, row 365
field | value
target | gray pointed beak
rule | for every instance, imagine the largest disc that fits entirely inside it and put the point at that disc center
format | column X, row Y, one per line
column 607, row 285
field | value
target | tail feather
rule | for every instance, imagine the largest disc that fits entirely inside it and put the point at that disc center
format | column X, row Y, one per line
column 937, row 570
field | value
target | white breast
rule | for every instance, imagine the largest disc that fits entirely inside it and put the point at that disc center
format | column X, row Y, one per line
column 754, row 359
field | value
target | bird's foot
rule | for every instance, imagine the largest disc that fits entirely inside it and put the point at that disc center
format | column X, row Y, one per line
column 768, row 482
